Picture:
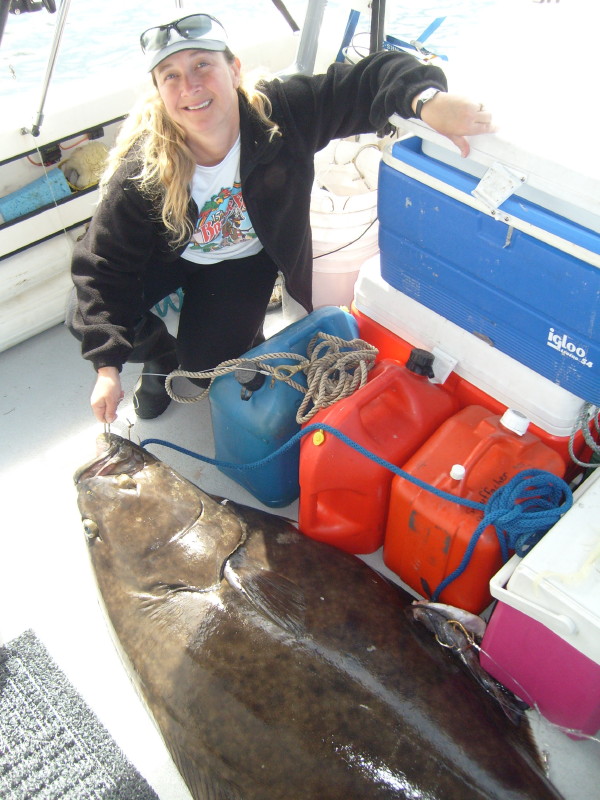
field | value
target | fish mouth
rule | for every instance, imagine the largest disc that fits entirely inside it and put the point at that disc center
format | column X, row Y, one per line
column 115, row 456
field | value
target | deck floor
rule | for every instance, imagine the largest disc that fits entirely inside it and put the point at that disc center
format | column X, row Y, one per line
column 47, row 431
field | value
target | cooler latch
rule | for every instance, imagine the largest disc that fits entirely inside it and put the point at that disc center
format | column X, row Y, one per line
column 497, row 185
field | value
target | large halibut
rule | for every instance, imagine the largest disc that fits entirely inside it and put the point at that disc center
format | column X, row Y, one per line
column 277, row 667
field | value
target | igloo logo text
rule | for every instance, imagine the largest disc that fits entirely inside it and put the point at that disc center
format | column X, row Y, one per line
column 567, row 347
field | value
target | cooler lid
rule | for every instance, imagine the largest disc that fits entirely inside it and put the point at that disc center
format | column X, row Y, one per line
column 534, row 75
column 561, row 574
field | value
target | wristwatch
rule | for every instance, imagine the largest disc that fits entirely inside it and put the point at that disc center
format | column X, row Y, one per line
column 424, row 97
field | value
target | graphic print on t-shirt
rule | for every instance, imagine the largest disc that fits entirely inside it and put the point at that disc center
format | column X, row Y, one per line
column 223, row 221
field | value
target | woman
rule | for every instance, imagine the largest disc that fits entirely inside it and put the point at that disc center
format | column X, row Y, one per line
column 208, row 189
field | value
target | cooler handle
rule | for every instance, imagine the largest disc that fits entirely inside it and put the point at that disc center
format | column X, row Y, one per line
column 559, row 623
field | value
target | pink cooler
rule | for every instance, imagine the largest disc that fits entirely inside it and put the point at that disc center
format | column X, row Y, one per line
column 543, row 638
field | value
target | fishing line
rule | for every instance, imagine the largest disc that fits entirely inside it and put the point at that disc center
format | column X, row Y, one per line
column 334, row 368
column 348, row 244
column 533, row 706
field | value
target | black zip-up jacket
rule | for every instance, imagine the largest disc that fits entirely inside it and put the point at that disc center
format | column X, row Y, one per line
column 126, row 232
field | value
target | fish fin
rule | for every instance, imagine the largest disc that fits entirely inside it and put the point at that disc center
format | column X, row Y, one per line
column 244, row 511
column 275, row 596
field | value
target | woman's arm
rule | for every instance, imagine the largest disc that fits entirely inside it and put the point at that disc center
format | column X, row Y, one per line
column 351, row 99
column 106, row 269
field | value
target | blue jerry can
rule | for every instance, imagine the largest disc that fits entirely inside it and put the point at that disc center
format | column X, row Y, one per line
column 250, row 423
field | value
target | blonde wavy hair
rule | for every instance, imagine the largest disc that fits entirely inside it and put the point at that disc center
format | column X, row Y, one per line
column 167, row 162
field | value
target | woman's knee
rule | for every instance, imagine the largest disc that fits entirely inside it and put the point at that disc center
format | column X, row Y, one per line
column 71, row 314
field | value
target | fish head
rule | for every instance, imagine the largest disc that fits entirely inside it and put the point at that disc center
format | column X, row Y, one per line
column 430, row 617
column 147, row 525
column 439, row 618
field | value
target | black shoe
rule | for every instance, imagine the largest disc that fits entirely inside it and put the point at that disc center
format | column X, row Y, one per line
column 150, row 397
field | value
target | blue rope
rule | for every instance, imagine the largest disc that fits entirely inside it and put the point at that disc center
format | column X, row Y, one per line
column 296, row 438
column 521, row 511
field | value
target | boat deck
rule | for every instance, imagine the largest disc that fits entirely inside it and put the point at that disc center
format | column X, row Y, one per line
column 47, row 431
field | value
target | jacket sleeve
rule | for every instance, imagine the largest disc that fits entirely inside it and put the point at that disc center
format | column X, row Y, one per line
column 107, row 268
column 351, row 99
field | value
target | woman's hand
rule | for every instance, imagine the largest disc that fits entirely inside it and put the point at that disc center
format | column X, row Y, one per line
column 457, row 117
column 107, row 394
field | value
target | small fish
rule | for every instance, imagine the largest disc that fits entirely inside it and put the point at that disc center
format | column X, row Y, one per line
column 443, row 620
column 461, row 631
column 277, row 667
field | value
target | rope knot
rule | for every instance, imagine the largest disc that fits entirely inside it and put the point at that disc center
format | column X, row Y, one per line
column 335, row 369
column 284, row 372
column 527, row 507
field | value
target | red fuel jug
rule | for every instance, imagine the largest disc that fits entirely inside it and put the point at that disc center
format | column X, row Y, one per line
column 471, row 455
column 343, row 494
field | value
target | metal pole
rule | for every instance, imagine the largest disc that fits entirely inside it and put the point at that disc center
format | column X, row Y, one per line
column 4, row 9
column 60, row 24
column 309, row 39
column 377, row 25
column 281, row 7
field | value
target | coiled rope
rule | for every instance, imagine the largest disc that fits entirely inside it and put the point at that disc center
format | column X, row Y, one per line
column 334, row 368
column 521, row 511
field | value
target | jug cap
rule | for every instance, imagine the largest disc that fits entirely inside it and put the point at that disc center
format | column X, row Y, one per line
column 421, row 362
column 250, row 378
column 458, row 472
column 514, row 421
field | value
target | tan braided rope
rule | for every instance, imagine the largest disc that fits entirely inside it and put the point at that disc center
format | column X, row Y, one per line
column 334, row 369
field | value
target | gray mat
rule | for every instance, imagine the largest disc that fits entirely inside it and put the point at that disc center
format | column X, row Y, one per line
column 51, row 744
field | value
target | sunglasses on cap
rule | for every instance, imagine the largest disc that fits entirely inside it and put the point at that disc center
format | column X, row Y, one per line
column 195, row 26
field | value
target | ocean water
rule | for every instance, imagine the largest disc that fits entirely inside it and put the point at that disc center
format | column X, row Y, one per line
column 101, row 36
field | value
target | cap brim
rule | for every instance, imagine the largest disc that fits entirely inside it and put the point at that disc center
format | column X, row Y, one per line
column 184, row 44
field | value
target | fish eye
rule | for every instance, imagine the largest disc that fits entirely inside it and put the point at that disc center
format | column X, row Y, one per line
column 90, row 528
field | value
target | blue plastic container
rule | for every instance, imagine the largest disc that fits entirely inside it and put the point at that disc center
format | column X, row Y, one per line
column 509, row 285
column 39, row 193
column 247, row 430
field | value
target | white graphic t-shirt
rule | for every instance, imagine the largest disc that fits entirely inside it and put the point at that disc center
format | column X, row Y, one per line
column 223, row 229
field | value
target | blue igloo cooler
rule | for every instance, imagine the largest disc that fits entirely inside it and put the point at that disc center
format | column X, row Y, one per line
column 520, row 276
